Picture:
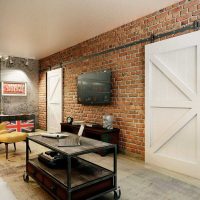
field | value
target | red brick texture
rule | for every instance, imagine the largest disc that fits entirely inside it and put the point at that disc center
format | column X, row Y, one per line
column 42, row 101
column 127, row 67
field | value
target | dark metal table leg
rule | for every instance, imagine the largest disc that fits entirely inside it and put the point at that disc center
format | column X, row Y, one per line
column 69, row 168
column 115, row 166
column 117, row 192
column 25, row 176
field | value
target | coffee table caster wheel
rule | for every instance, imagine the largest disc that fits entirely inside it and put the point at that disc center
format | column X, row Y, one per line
column 117, row 194
column 26, row 177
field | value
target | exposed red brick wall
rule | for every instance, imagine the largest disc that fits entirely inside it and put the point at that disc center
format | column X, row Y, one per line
column 127, row 67
column 42, row 101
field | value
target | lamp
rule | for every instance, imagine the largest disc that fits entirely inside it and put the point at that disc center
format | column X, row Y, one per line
column 10, row 60
column 3, row 58
column 26, row 63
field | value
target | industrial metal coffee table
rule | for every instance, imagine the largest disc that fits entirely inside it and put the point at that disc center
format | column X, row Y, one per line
column 81, row 179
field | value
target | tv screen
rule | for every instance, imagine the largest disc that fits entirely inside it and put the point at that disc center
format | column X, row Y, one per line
column 94, row 88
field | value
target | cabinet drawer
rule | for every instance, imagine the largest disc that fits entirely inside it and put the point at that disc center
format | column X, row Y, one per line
column 54, row 188
column 39, row 176
column 49, row 184
column 106, row 138
column 31, row 169
column 61, row 193
column 36, row 174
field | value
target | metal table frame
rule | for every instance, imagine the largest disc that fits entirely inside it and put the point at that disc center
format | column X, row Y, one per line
column 70, row 189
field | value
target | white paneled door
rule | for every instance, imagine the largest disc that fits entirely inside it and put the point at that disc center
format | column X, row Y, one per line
column 54, row 100
column 172, row 107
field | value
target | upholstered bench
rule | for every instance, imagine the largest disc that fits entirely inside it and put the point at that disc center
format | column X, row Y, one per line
column 12, row 137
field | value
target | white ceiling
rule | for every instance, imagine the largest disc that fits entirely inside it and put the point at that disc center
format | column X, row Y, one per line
column 38, row 28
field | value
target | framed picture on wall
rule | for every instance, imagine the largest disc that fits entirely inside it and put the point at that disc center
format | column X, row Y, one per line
column 9, row 88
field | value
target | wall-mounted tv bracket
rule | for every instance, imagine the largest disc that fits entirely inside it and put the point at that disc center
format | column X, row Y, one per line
column 194, row 26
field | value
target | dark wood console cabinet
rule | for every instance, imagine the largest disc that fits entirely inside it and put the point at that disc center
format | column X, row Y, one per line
column 101, row 134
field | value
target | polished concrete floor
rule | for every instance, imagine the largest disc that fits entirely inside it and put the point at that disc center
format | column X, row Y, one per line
column 136, row 180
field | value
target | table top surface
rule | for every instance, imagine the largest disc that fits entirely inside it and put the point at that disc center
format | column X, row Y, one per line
column 87, row 145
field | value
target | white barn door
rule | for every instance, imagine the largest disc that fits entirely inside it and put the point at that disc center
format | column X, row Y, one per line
column 54, row 100
column 172, row 104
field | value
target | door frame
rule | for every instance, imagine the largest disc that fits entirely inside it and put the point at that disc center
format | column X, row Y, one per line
column 62, row 94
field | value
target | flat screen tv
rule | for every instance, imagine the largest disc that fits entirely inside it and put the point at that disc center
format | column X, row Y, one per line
column 94, row 88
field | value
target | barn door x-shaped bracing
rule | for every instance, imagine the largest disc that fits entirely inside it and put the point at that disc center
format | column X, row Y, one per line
column 172, row 107
column 54, row 100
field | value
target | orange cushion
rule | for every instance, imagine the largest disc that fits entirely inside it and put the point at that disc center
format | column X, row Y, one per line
column 13, row 137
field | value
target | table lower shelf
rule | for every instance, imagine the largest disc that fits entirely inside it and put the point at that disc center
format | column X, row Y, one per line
column 87, row 179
